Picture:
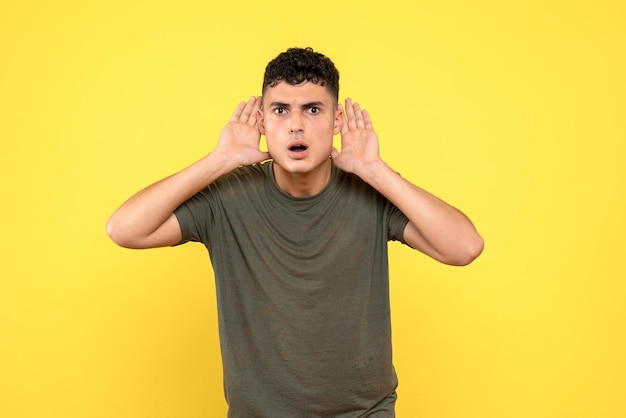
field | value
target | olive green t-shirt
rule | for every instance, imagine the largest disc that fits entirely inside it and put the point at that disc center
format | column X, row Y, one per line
column 302, row 293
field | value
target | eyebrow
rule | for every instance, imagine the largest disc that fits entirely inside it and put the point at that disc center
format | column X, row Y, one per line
column 305, row 105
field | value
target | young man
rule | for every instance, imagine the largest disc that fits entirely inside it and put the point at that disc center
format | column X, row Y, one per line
column 298, row 239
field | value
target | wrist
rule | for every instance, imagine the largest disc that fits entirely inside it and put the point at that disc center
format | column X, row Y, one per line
column 216, row 164
column 374, row 172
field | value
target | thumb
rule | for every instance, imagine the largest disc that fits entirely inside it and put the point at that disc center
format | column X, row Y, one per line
column 334, row 153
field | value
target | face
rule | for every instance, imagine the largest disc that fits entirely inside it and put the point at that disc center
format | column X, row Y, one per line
column 299, row 122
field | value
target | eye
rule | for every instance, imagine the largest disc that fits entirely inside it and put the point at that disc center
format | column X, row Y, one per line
column 314, row 110
column 280, row 110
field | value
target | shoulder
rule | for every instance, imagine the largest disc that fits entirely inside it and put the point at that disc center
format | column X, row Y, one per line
column 252, row 175
column 251, row 171
column 349, row 182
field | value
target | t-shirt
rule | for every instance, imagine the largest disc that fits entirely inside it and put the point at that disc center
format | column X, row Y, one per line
column 302, row 290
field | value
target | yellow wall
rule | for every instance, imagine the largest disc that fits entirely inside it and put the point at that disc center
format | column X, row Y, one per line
column 516, row 113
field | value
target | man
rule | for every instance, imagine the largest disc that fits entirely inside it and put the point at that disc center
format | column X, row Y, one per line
column 298, row 239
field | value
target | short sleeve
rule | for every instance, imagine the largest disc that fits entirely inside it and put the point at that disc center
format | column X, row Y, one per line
column 187, row 224
column 397, row 224
column 195, row 216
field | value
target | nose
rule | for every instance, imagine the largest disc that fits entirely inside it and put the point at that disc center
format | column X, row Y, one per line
column 295, row 123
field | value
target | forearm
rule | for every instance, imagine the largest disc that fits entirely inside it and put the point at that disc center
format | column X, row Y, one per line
column 436, row 228
column 144, row 213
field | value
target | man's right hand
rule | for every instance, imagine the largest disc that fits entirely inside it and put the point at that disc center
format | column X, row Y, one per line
column 240, row 138
column 147, row 219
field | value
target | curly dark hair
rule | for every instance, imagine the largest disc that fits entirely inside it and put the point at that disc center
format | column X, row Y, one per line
column 297, row 65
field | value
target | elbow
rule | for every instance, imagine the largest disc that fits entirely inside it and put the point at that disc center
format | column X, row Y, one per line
column 471, row 250
column 468, row 252
column 116, row 234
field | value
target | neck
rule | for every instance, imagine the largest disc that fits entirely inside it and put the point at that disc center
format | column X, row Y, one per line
column 303, row 184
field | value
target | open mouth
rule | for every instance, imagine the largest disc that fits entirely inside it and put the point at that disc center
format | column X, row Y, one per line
column 298, row 148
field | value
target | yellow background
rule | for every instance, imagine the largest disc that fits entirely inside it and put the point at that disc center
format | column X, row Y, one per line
column 513, row 111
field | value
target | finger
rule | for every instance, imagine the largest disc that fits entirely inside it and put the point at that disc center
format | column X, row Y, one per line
column 350, row 114
column 248, row 109
column 367, row 120
column 257, row 105
column 344, row 126
column 238, row 111
column 358, row 116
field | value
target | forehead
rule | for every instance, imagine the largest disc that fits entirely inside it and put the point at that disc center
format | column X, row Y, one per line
column 306, row 92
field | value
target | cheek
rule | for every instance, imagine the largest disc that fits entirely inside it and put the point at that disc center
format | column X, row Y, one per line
column 271, row 127
column 272, row 131
column 272, row 144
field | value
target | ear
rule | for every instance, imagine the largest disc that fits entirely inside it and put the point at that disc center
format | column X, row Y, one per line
column 339, row 119
column 260, row 121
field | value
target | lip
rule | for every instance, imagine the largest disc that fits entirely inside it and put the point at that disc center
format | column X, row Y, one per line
column 297, row 154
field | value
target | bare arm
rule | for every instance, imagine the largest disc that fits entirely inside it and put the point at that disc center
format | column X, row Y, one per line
column 435, row 228
column 147, row 219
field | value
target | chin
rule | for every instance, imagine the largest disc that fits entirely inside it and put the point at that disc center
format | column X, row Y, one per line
column 301, row 166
